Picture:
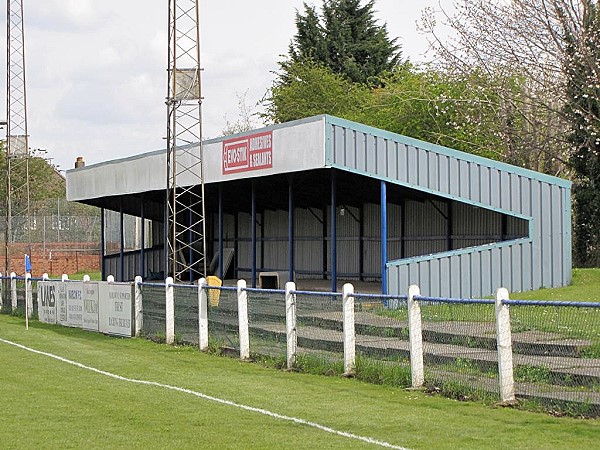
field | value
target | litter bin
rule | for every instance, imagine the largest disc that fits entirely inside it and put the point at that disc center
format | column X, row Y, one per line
column 214, row 294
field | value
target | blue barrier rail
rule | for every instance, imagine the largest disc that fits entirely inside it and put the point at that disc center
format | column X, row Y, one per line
column 380, row 296
column 479, row 301
column 551, row 303
column 265, row 291
column 322, row 294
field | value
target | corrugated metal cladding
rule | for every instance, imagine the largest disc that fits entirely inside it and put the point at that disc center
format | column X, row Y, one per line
column 425, row 224
column 534, row 205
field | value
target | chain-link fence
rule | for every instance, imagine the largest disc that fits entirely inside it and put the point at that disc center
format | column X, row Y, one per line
column 13, row 295
column 460, row 348
column 59, row 236
column 154, row 310
column 54, row 220
column 319, row 328
column 266, row 323
column 556, row 354
column 382, row 347
column 545, row 354
column 186, row 313
column 223, row 322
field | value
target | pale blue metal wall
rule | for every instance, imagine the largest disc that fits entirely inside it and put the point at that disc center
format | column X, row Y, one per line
column 541, row 260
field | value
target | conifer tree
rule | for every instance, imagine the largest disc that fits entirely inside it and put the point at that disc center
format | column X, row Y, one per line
column 345, row 38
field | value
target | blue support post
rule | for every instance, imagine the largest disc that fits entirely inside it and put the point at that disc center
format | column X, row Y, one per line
column 253, row 234
column 291, row 229
column 102, row 243
column 221, row 274
column 143, row 237
column 383, row 237
column 333, row 232
column 166, row 236
column 121, row 276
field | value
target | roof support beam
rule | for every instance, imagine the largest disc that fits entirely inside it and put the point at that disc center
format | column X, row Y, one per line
column 383, row 237
column 333, row 231
column 291, row 228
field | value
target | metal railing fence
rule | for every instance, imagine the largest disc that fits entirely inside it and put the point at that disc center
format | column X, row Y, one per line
column 545, row 352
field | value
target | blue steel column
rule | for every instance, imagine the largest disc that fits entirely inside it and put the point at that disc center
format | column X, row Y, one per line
column 121, row 255
column 253, row 234
column 291, row 229
column 102, row 243
column 333, row 232
column 165, row 237
column 220, row 231
column 142, row 249
column 383, row 237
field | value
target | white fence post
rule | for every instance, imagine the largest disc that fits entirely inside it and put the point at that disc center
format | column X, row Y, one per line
column 242, row 298
column 290, row 323
column 28, row 296
column 169, row 312
column 86, row 279
column 13, row 291
column 65, row 277
column 415, row 336
column 139, row 306
column 349, row 331
column 503, row 335
column 203, row 314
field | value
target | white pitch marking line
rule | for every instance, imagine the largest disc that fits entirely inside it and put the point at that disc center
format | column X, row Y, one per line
column 213, row 399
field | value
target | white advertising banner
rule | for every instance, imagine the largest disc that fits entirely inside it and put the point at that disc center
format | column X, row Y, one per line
column 61, row 303
column 90, row 307
column 116, row 308
column 47, row 296
column 75, row 304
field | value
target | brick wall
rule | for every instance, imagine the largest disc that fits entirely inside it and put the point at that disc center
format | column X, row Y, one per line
column 54, row 259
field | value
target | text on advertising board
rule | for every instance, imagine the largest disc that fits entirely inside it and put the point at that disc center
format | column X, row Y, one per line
column 247, row 153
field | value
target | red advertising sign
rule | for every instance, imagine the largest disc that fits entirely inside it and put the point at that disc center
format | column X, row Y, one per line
column 247, row 153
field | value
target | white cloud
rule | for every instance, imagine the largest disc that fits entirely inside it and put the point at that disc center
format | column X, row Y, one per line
column 96, row 70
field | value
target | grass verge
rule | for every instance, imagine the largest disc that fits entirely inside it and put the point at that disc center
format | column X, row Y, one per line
column 55, row 405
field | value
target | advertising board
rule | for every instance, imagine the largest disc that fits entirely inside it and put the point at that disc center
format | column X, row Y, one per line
column 47, row 296
column 116, row 308
column 90, row 307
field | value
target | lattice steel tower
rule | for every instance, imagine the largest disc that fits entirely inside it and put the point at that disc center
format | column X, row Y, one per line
column 17, row 145
column 185, row 226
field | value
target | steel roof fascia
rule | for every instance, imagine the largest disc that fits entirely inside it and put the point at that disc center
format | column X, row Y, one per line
column 464, row 251
column 446, row 151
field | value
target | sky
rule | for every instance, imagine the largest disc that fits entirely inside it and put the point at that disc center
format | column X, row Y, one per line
column 96, row 70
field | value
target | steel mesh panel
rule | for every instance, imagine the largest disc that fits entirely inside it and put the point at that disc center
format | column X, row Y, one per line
column 6, row 309
column 381, row 327
column 319, row 324
column 556, row 356
column 154, row 311
column 223, row 327
column 460, row 349
column 186, row 313
column 267, row 323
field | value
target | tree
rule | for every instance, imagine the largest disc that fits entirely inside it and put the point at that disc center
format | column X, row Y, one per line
column 44, row 181
column 583, row 112
column 310, row 89
column 344, row 38
column 244, row 122
column 420, row 103
column 521, row 39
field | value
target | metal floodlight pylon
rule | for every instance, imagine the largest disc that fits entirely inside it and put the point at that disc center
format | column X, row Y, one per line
column 185, row 226
column 17, row 138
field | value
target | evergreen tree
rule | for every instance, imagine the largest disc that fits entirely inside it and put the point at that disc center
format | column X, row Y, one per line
column 345, row 38
column 582, row 68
